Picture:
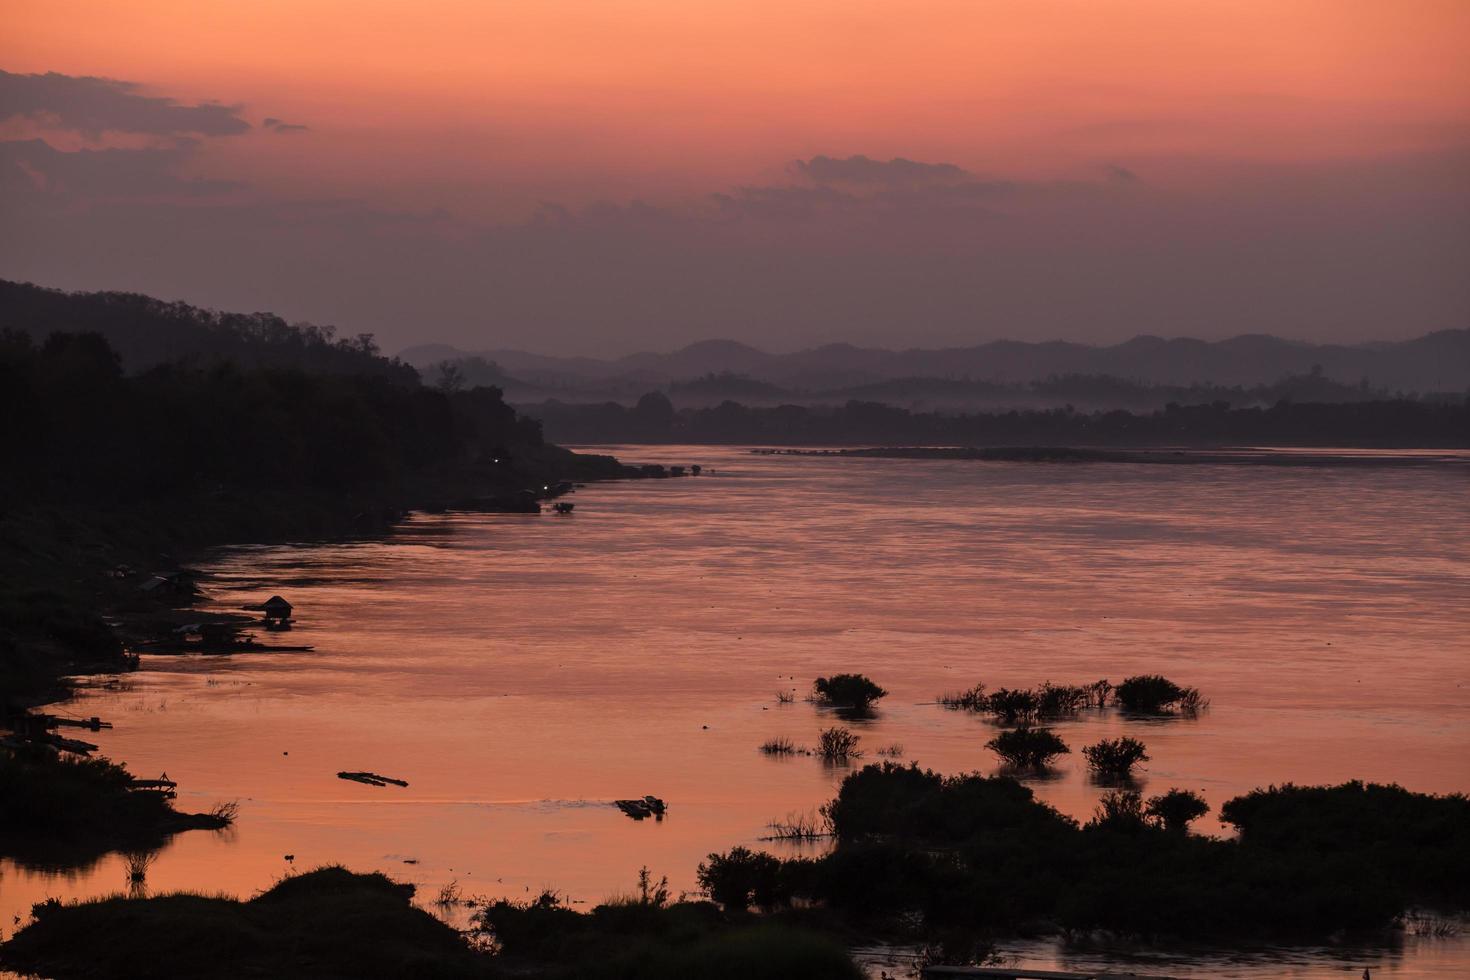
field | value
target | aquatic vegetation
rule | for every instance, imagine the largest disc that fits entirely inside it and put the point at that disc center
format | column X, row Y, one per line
column 136, row 865
column 973, row 699
column 1028, row 748
column 779, row 746
column 1176, row 809
column 785, row 697
column 838, row 745
column 812, row 825
column 892, row 750
column 1154, row 694
column 1115, row 757
column 1012, row 707
column 449, row 895
column 1061, row 700
column 847, row 691
column 225, row 812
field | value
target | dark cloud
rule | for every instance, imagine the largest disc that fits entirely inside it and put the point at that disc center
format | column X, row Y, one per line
column 865, row 170
column 281, row 126
column 783, row 203
column 1353, row 250
column 35, row 167
column 93, row 106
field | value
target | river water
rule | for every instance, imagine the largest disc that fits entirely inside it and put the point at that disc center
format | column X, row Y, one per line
column 521, row 672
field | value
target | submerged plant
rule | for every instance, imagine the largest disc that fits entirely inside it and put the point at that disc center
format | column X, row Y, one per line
column 1098, row 692
column 838, row 745
column 1154, row 694
column 449, row 895
column 1060, row 700
column 225, row 812
column 847, row 691
column 1013, row 706
column 1115, row 757
column 779, row 746
column 812, row 825
column 970, row 700
column 1028, row 748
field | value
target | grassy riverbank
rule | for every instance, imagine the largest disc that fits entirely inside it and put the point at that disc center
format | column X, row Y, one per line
column 333, row 923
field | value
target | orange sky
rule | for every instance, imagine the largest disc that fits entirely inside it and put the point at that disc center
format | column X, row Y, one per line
column 576, row 97
column 484, row 110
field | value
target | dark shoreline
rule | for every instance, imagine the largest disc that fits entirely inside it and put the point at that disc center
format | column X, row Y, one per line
column 85, row 612
column 1221, row 456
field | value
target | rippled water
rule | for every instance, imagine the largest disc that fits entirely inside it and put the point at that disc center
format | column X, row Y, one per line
column 521, row 672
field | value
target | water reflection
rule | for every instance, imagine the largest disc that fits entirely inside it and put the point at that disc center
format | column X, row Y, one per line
column 523, row 673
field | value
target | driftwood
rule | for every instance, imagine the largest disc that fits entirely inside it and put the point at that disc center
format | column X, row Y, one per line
column 371, row 778
column 649, row 806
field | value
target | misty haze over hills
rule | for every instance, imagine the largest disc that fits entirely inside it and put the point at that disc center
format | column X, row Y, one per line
column 1438, row 361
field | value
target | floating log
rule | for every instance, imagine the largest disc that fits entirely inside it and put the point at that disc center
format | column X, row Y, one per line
column 371, row 778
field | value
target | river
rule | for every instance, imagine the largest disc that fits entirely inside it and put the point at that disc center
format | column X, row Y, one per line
column 521, row 672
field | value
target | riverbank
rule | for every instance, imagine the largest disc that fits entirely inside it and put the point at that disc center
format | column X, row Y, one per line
column 87, row 584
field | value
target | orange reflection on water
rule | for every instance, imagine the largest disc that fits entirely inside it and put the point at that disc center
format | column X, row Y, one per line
column 522, row 672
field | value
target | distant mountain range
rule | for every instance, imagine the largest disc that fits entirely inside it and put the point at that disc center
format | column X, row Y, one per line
column 1435, row 362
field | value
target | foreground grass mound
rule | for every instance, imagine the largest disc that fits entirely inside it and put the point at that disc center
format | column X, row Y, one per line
column 327, row 923
column 922, row 854
column 61, row 807
column 642, row 939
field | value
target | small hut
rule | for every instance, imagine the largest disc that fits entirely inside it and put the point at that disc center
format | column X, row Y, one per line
column 277, row 611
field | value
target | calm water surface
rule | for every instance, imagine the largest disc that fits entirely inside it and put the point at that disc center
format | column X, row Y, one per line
column 521, row 672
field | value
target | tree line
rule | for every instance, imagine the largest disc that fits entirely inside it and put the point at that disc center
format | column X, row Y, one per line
column 75, row 425
column 1384, row 423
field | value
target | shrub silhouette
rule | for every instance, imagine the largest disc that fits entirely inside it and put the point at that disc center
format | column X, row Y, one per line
column 1012, row 706
column 1175, row 809
column 973, row 699
column 1154, row 694
column 1115, row 756
column 1028, row 748
column 837, row 745
column 891, row 800
column 1120, row 810
column 847, row 691
column 1060, row 700
column 740, row 878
